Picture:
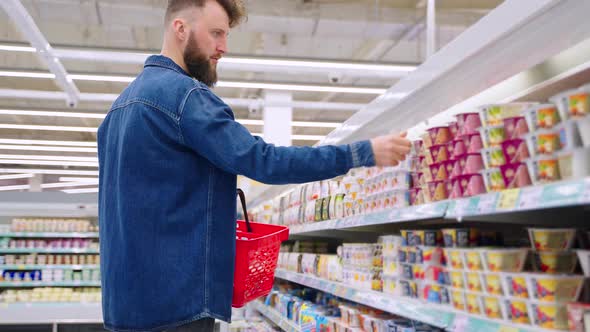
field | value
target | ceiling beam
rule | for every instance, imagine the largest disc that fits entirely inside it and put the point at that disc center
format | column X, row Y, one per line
column 21, row 18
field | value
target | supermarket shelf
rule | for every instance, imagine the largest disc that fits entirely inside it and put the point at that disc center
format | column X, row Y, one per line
column 389, row 216
column 47, row 251
column 554, row 195
column 274, row 316
column 48, row 204
column 47, row 267
column 89, row 235
column 50, row 313
column 22, row 284
column 436, row 315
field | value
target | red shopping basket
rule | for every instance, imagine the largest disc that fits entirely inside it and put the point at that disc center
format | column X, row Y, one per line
column 257, row 253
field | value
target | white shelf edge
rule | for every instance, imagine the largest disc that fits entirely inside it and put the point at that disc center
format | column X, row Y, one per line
column 397, row 305
column 47, row 251
column 23, row 284
column 50, row 313
column 275, row 317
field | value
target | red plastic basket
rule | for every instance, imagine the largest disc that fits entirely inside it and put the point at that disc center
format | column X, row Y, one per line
column 257, row 253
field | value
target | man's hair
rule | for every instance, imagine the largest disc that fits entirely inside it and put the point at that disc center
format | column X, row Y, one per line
column 234, row 8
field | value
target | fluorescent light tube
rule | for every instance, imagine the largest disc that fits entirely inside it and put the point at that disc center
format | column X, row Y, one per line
column 12, row 48
column 46, row 142
column 47, row 162
column 51, row 113
column 33, row 157
column 49, row 171
column 67, row 184
column 77, row 179
column 16, row 176
column 50, row 128
column 26, row 74
column 17, row 187
column 47, row 148
column 80, row 190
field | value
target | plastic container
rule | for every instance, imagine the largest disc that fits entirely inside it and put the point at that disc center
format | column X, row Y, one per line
column 455, row 258
column 473, row 260
column 473, row 163
column 493, row 157
column 515, row 175
column 548, row 315
column 439, row 172
column 572, row 103
column 473, row 142
column 543, row 116
column 543, row 142
column 429, row 255
column 574, row 163
column 423, row 237
column 469, row 185
column 493, row 179
column 492, row 283
column 437, row 191
column 473, row 303
column 492, row 135
column 515, row 150
column 494, row 307
column 457, row 278
column 454, row 129
column 543, row 169
column 458, row 300
column 437, row 154
column 569, row 134
column 439, row 135
column 468, row 123
column 552, row 238
column 474, row 282
column 555, row 261
column 458, row 148
column 504, row 260
column 460, row 237
column 515, row 285
column 416, row 196
column 517, row 311
column 515, row 127
column 554, row 288
column 584, row 258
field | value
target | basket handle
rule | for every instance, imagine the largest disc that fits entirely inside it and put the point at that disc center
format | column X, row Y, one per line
column 243, row 201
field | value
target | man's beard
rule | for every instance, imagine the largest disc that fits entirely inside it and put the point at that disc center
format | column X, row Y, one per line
column 198, row 65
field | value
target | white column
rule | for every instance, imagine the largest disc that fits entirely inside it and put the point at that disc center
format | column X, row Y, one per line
column 278, row 119
column 35, row 183
column 430, row 28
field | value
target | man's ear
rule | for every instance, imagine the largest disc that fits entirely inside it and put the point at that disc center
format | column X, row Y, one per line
column 180, row 29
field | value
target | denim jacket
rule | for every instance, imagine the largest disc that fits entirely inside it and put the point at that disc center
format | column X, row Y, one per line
column 169, row 153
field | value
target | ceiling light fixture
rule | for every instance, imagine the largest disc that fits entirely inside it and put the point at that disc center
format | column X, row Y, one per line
column 47, row 148
column 14, row 48
column 16, row 176
column 77, row 179
column 67, row 184
column 80, row 191
column 17, row 187
column 221, row 84
column 49, row 171
column 47, row 163
column 46, row 142
column 55, row 158
column 50, row 128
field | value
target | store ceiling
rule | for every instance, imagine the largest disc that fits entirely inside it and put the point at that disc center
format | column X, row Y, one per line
column 374, row 31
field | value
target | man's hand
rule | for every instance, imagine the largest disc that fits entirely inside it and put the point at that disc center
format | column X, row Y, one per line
column 389, row 150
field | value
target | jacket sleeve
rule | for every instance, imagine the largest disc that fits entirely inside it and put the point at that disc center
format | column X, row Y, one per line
column 208, row 127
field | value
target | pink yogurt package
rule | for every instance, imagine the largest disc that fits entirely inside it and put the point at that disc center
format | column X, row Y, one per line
column 515, row 151
column 473, row 163
column 468, row 123
column 515, row 175
column 473, row 142
column 515, row 127
column 469, row 185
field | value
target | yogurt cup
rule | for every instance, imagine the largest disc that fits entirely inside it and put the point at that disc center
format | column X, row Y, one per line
column 438, row 190
column 473, row 303
column 515, row 127
column 457, row 278
column 552, row 238
column 492, row 283
column 473, row 260
column 468, row 123
column 517, row 311
column 554, row 288
column 473, row 142
column 454, row 129
column 460, row 237
column 439, row 135
column 439, row 172
column 493, row 157
column 494, row 307
column 493, row 179
column 549, row 315
column 473, row 282
column 455, row 258
column 515, row 150
column 416, row 196
column 468, row 185
column 504, row 260
column 473, row 163
column 543, row 169
column 543, row 142
column 458, row 300
column 515, row 175
column 492, row 135
column 573, row 103
column 458, row 148
column 429, row 255
column 438, row 153
column 492, row 115
column 416, row 147
column 554, row 262
column 569, row 135
column 543, row 116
